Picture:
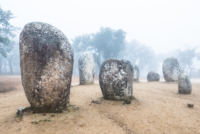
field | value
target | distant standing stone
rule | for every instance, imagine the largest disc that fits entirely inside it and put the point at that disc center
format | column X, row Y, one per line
column 184, row 84
column 116, row 79
column 171, row 69
column 136, row 73
column 152, row 76
column 46, row 67
column 86, row 68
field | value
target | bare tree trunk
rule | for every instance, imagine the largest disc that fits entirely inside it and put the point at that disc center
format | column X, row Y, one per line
column 11, row 70
column 0, row 63
column 99, row 64
column 5, row 67
column 190, row 70
column 199, row 72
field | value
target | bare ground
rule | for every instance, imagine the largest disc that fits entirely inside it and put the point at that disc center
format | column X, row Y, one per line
column 159, row 109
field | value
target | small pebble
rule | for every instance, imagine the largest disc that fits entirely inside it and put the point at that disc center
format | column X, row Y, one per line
column 190, row 105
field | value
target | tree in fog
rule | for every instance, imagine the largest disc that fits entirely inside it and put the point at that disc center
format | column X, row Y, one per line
column 186, row 57
column 140, row 54
column 105, row 44
column 6, row 32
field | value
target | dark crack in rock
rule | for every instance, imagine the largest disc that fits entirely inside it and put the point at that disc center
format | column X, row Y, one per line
column 171, row 69
column 116, row 79
column 136, row 73
column 184, row 84
column 152, row 76
column 46, row 60
column 86, row 68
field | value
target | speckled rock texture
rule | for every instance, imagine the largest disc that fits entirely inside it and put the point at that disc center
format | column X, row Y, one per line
column 171, row 69
column 116, row 79
column 136, row 73
column 184, row 84
column 152, row 76
column 86, row 68
column 46, row 60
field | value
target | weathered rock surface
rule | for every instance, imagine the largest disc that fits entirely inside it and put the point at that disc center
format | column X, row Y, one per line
column 152, row 76
column 46, row 67
column 136, row 73
column 171, row 69
column 116, row 79
column 184, row 84
column 86, row 68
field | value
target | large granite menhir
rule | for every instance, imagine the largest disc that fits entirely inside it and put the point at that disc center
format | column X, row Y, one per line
column 86, row 68
column 46, row 59
column 184, row 84
column 116, row 79
column 171, row 69
column 136, row 73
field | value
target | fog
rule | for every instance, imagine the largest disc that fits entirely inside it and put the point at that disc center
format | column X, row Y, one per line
column 144, row 32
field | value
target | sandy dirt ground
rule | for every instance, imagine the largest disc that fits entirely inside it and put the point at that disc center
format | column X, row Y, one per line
column 159, row 109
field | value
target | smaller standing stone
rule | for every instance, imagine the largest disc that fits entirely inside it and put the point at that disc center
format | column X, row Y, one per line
column 152, row 76
column 116, row 79
column 136, row 73
column 86, row 68
column 184, row 84
column 171, row 69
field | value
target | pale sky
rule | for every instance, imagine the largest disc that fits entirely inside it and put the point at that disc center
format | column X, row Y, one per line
column 164, row 25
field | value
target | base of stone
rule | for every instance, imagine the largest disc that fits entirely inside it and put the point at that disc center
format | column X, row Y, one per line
column 48, row 109
column 86, row 83
column 153, row 80
column 184, row 92
column 117, row 98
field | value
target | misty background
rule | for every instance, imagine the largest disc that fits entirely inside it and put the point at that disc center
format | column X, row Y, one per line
column 144, row 32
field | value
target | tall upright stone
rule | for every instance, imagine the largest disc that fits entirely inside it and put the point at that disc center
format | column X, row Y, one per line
column 46, row 60
column 171, row 69
column 184, row 84
column 86, row 68
column 136, row 73
column 116, row 79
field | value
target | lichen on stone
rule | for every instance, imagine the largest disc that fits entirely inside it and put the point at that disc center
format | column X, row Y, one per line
column 171, row 69
column 46, row 60
column 184, row 84
column 86, row 68
column 116, row 79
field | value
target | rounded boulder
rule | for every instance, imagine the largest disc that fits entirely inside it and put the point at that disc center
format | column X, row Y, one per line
column 152, row 76
column 184, row 84
column 46, row 61
column 86, row 68
column 116, row 79
column 171, row 69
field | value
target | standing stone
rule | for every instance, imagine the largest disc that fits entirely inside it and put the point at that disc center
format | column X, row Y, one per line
column 86, row 68
column 171, row 69
column 184, row 84
column 136, row 73
column 116, row 79
column 152, row 76
column 46, row 59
